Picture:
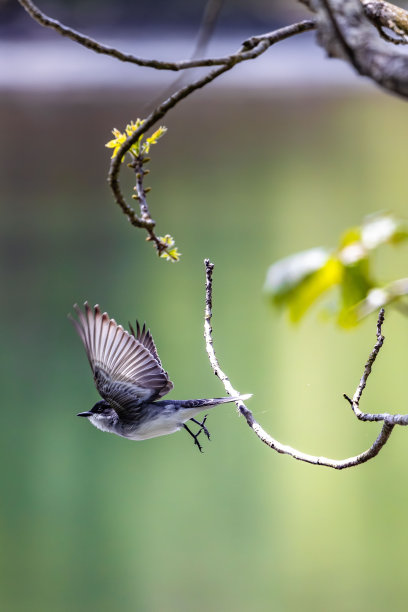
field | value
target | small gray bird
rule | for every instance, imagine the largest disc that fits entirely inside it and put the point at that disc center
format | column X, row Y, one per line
column 128, row 374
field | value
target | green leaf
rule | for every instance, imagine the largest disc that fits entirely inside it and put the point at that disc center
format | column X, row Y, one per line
column 312, row 287
column 350, row 236
column 355, row 283
column 354, row 287
column 284, row 276
column 297, row 281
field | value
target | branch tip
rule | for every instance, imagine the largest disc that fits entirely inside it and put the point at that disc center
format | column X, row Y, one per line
column 350, row 401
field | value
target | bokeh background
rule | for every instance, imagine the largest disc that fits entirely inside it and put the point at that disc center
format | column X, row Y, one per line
column 250, row 171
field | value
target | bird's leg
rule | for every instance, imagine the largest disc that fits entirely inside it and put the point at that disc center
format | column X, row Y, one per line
column 202, row 425
column 194, row 436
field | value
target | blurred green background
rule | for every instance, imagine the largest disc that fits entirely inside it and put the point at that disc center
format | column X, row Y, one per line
column 92, row 522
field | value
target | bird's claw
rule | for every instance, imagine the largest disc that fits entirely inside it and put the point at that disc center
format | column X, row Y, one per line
column 195, row 436
column 202, row 426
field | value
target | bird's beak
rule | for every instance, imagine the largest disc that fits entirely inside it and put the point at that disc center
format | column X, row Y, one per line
column 85, row 414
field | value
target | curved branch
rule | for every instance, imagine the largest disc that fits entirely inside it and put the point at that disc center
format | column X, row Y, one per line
column 155, row 115
column 389, row 421
column 249, row 50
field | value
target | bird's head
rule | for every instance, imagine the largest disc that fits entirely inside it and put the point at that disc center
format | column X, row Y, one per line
column 102, row 416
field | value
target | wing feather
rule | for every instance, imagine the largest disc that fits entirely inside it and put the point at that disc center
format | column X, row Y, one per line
column 144, row 336
column 126, row 367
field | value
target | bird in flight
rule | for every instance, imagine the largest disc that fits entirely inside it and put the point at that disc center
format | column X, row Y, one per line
column 129, row 376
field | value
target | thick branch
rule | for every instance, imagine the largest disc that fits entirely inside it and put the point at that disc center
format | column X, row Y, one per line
column 386, row 15
column 383, row 15
column 345, row 31
column 389, row 421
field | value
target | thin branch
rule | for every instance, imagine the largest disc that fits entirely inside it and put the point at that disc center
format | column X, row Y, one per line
column 250, row 49
column 244, row 54
column 155, row 115
column 97, row 47
column 389, row 421
column 145, row 220
column 367, row 371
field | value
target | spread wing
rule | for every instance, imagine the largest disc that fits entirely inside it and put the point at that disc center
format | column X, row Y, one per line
column 144, row 336
column 127, row 369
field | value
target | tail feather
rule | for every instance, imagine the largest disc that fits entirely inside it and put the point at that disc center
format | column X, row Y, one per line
column 197, row 403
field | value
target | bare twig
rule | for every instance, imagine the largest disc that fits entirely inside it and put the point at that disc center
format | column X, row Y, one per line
column 93, row 45
column 389, row 421
column 367, row 371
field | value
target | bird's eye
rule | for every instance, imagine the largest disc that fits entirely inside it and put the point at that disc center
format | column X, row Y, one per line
column 99, row 409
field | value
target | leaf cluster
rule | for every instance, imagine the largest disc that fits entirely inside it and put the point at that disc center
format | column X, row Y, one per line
column 296, row 282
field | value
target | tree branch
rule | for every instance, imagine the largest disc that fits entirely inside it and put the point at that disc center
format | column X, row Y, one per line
column 345, row 31
column 249, row 50
column 97, row 47
column 389, row 421
column 386, row 15
column 382, row 14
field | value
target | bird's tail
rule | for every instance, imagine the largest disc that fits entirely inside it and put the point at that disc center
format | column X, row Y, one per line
column 202, row 403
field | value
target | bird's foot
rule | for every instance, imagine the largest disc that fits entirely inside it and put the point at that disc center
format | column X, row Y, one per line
column 202, row 426
column 195, row 436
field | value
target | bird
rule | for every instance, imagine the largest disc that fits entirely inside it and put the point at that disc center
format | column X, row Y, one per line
column 130, row 378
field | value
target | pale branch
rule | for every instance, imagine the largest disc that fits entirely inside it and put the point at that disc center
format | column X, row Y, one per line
column 345, row 31
column 93, row 45
column 389, row 421
column 244, row 54
column 367, row 371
